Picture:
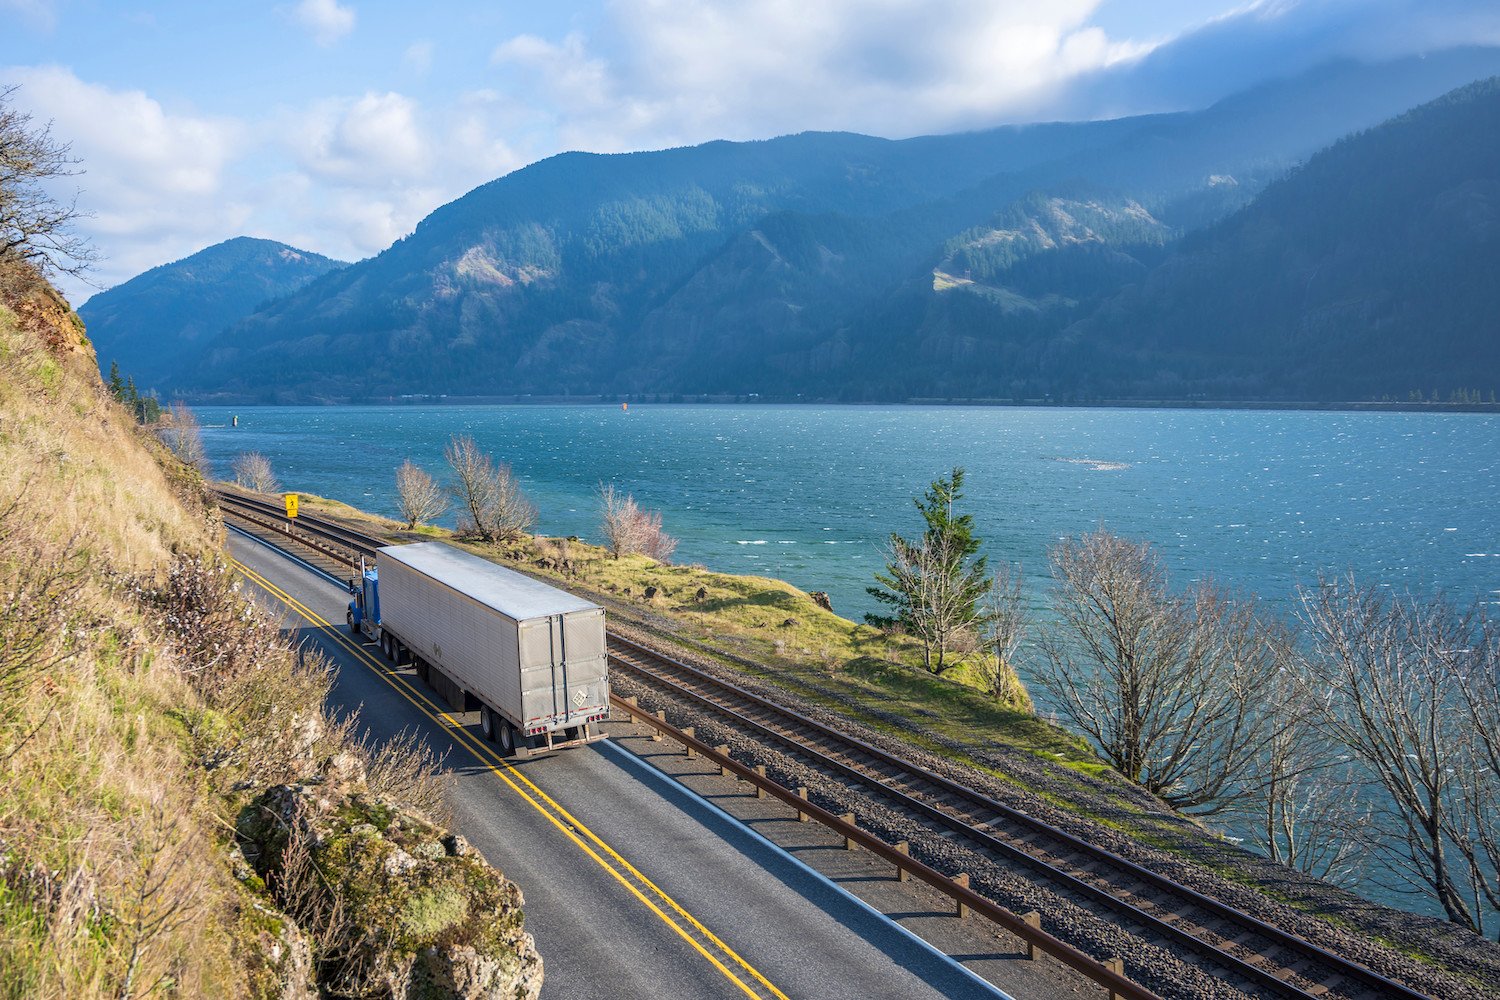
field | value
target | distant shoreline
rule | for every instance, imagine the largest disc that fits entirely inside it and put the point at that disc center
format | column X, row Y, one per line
column 683, row 399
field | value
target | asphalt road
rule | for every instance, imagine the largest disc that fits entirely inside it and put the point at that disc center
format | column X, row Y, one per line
column 634, row 886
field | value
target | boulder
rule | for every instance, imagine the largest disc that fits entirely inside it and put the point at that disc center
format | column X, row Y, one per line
column 820, row 598
column 429, row 917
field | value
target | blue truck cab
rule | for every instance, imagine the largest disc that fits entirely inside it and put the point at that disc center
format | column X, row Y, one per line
column 364, row 610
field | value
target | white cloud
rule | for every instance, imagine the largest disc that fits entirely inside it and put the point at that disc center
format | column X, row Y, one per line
column 40, row 14
column 418, row 57
column 371, row 140
column 327, row 21
column 689, row 70
column 153, row 179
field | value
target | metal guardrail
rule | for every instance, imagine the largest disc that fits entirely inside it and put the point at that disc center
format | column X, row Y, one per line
column 1109, row 974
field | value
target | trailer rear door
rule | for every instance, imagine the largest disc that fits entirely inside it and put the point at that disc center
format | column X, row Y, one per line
column 563, row 669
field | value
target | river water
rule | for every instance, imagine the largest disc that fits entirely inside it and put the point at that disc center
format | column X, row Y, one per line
column 1261, row 500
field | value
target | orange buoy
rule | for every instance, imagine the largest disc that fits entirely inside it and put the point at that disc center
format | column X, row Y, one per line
column 625, row 406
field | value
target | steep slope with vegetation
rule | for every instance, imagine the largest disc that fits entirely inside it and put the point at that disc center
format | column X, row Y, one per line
column 151, row 323
column 1368, row 272
column 803, row 264
column 159, row 737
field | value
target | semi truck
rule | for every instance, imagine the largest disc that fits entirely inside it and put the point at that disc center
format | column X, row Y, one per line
column 529, row 657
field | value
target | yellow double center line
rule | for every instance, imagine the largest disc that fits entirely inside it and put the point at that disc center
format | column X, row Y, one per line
column 704, row 941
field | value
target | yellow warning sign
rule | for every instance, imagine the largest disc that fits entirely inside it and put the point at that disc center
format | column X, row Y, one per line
column 291, row 505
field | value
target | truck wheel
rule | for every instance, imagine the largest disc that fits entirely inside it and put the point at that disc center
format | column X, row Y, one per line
column 507, row 739
column 349, row 617
column 422, row 670
column 388, row 644
column 487, row 722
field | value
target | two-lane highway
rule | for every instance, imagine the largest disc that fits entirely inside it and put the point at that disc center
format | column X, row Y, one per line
column 634, row 886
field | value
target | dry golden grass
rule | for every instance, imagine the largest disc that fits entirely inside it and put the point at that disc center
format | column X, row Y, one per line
column 140, row 701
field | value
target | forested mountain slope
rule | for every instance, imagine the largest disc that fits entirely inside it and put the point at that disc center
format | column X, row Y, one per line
column 1369, row 272
column 828, row 265
column 153, row 322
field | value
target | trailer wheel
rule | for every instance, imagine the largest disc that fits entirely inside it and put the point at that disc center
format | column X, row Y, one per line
column 487, row 722
column 349, row 617
column 422, row 670
column 507, row 739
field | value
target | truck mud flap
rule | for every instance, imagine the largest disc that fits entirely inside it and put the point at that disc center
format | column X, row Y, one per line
column 450, row 690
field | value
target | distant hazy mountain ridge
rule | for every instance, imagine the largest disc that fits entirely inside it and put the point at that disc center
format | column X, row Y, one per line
column 1016, row 262
column 155, row 322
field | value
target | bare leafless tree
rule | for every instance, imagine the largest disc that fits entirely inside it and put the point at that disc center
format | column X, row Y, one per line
column 940, row 608
column 495, row 508
column 35, row 227
column 1306, row 806
column 619, row 521
column 252, row 470
column 1167, row 687
column 419, row 495
column 1004, row 625
column 628, row 529
column 183, row 437
column 1404, row 686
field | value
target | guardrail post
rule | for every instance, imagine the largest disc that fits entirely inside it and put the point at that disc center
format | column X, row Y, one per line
column 1031, row 919
column 962, row 879
column 849, row 844
column 760, row 792
column 902, row 875
column 632, row 701
column 1115, row 965
column 723, row 750
column 661, row 716
column 689, row 731
column 802, row 817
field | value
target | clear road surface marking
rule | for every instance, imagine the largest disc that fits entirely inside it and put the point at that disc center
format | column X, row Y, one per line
column 626, row 874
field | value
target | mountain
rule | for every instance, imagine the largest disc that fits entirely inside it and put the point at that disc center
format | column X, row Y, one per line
column 152, row 322
column 1368, row 272
column 828, row 265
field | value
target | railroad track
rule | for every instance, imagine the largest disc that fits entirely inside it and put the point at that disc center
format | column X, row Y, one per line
column 1271, row 958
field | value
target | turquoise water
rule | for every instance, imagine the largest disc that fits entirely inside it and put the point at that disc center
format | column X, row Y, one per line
column 1261, row 500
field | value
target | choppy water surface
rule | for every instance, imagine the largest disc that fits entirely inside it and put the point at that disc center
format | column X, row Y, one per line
column 1262, row 500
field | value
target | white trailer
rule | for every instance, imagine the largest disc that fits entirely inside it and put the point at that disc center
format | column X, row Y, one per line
column 530, row 657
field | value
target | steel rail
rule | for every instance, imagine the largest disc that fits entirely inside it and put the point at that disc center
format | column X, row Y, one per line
column 1111, row 979
column 882, row 784
column 367, row 544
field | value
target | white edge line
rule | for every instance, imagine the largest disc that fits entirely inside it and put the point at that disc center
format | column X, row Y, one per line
column 799, row 863
column 341, row 584
column 735, row 821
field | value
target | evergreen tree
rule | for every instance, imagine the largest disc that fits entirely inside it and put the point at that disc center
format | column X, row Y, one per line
column 116, row 384
column 934, row 584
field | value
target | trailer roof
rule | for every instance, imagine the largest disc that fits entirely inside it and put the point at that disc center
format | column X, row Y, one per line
column 513, row 594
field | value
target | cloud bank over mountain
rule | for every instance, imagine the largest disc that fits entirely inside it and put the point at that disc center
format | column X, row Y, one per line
column 338, row 125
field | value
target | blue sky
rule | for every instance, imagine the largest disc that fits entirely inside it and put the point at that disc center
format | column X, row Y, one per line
column 336, row 125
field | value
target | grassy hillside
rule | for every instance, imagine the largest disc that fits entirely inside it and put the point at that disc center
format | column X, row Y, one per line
column 150, row 719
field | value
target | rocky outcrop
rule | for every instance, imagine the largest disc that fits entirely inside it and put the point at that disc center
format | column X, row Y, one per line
column 398, row 907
